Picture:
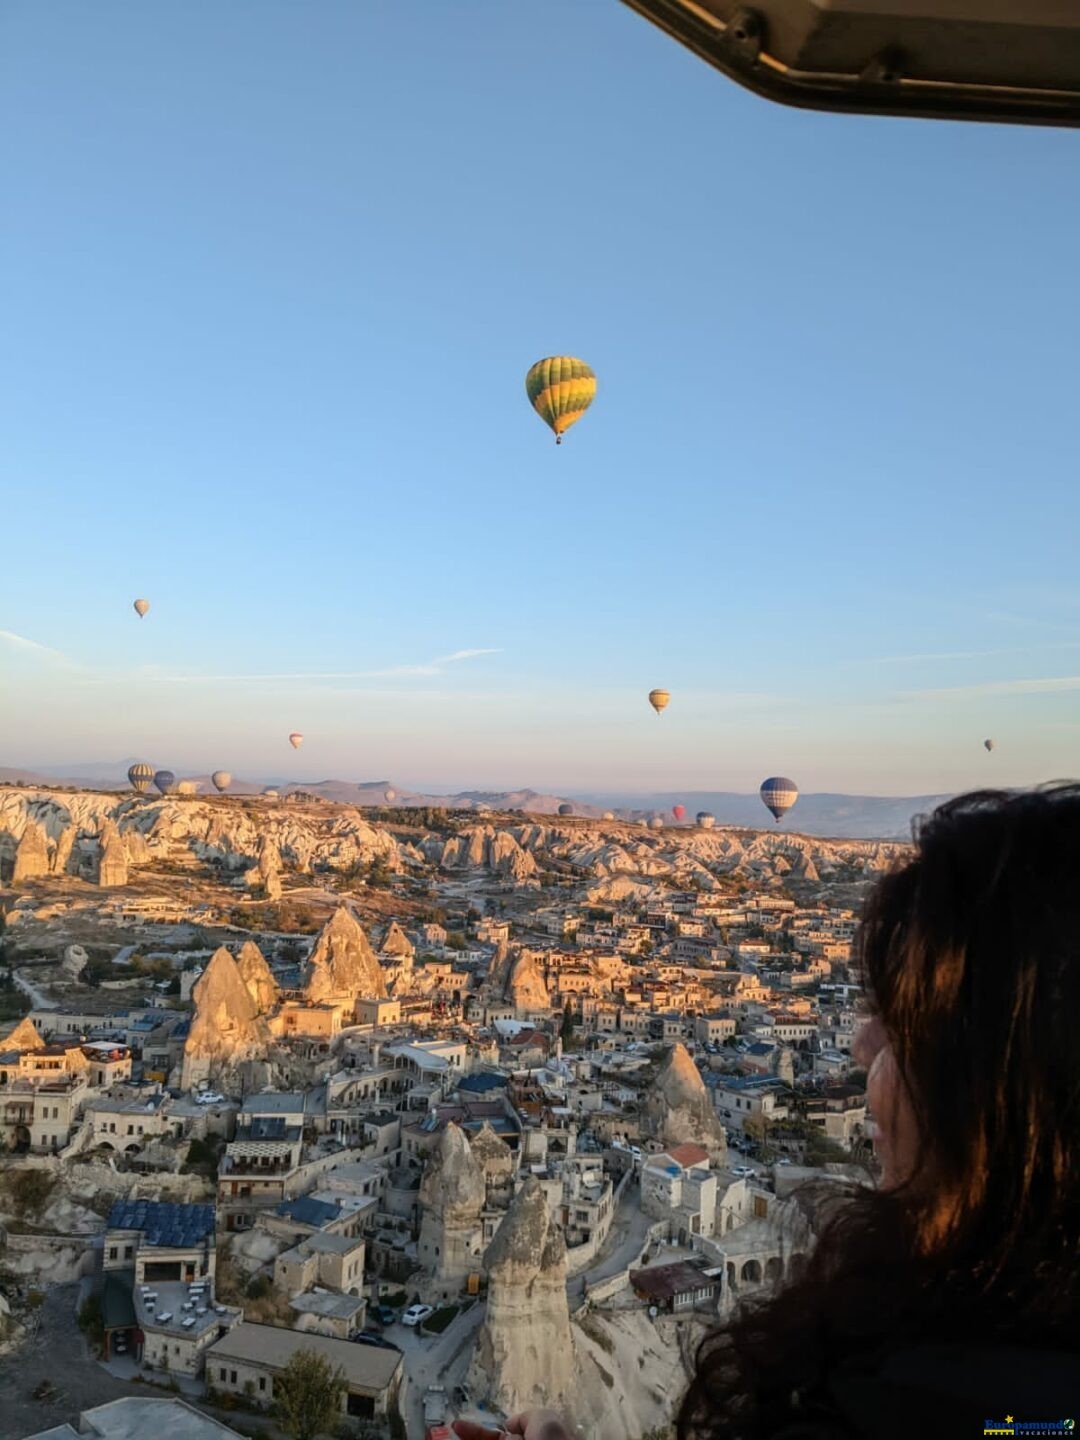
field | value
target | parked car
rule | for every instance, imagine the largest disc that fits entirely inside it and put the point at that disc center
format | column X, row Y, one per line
column 368, row 1337
column 417, row 1314
column 385, row 1314
column 209, row 1097
column 741, row 1171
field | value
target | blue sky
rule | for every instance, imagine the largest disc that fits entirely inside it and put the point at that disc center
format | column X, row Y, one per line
column 271, row 277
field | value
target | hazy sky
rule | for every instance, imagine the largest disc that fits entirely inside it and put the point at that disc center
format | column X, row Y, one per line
column 271, row 274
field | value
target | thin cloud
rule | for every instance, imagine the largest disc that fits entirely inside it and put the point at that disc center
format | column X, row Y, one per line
column 970, row 654
column 394, row 672
column 1051, row 685
column 20, row 642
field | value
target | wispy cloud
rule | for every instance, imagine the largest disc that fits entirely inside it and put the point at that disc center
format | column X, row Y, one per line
column 32, row 647
column 968, row 654
column 1051, row 685
column 393, row 672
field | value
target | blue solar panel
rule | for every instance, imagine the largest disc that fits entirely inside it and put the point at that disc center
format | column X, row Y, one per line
column 164, row 1224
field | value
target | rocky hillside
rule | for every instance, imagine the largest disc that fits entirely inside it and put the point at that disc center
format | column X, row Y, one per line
column 45, row 832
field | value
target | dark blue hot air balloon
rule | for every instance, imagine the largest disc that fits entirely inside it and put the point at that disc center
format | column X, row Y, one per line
column 779, row 794
column 165, row 781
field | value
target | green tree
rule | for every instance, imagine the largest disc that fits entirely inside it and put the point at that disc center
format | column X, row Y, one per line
column 566, row 1029
column 307, row 1396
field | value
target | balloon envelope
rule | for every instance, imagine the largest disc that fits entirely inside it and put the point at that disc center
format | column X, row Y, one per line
column 296, row 739
column 656, row 823
column 609, row 814
column 391, row 795
column 679, row 811
column 659, row 699
column 141, row 777
column 989, row 744
column 164, row 780
column 141, row 607
column 705, row 820
column 222, row 779
column 270, row 793
column 560, row 390
column 566, row 809
column 779, row 794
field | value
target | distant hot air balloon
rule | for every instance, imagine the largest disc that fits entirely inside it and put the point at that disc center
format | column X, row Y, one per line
column 296, row 739
column 705, row 820
column 659, row 699
column 560, row 390
column 141, row 777
column 679, row 811
column 270, row 793
column 989, row 744
column 141, row 607
column 391, row 796
column 164, row 780
column 656, row 823
column 222, row 780
column 566, row 809
column 609, row 814
column 779, row 794
column 187, row 787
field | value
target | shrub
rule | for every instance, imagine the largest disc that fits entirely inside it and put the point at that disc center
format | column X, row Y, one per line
column 29, row 1190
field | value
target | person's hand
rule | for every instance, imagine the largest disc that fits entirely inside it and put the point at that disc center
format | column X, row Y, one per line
column 530, row 1425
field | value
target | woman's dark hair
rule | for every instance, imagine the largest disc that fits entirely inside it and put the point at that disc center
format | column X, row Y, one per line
column 970, row 956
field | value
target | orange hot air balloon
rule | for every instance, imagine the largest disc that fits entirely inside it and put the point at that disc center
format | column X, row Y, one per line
column 296, row 739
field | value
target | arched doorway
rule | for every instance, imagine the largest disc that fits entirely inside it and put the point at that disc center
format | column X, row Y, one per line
column 751, row 1272
column 774, row 1269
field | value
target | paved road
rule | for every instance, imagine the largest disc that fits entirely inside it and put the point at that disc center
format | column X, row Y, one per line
column 37, row 999
column 427, row 1362
column 622, row 1249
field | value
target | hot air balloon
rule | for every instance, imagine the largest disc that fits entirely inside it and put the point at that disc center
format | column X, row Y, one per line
column 560, row 390
column 656, row 823
column 187, row 787
column 141, row 607
column 779, row 794
column 659, row 699
column 391, row 796
column 705, row 820
column 141, row 777
column 679, row 811
column 296, row 739
column 609, row 814
column 222, row 780
column 164, row 780
column 566, row 809
column 270, row 793
column 989, row 744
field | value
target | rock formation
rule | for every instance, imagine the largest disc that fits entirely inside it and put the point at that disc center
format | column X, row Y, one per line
column 525, row 1352
column 226, row 1028
column 113, row 858
column 75, row 961
column 270, row 869
column 23, row 1037
column 65, row 843
column 527, row 989
column 396, row 943
column 255, row 973
column 498, row 975
column 452, row 1196
column 342, row 964
column 677, row 1109
column 31, row 854
column 496, row 1159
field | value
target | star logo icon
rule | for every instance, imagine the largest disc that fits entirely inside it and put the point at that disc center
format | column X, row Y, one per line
column 1008, row 1419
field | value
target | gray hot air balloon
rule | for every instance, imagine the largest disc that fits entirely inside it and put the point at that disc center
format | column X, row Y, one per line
column 141, row 607
column 656, row 823
column 141, row 777
column 989, row 744
column 164, row 780
column 705, row 820
column 779, row 794
column 566, row 809
column 222, row 780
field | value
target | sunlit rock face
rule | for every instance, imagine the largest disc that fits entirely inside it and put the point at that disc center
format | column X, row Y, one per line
column 677, row 1108
column 227, row 1028
column 255, row 973
column 342, row 964
column 527, row 989
column 525, row 1352
column 31, row 854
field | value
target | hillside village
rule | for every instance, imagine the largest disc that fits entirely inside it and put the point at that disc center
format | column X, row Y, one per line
column 281, row 1075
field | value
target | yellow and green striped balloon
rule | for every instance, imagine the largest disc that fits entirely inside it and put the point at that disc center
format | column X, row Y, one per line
column 560, row 390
